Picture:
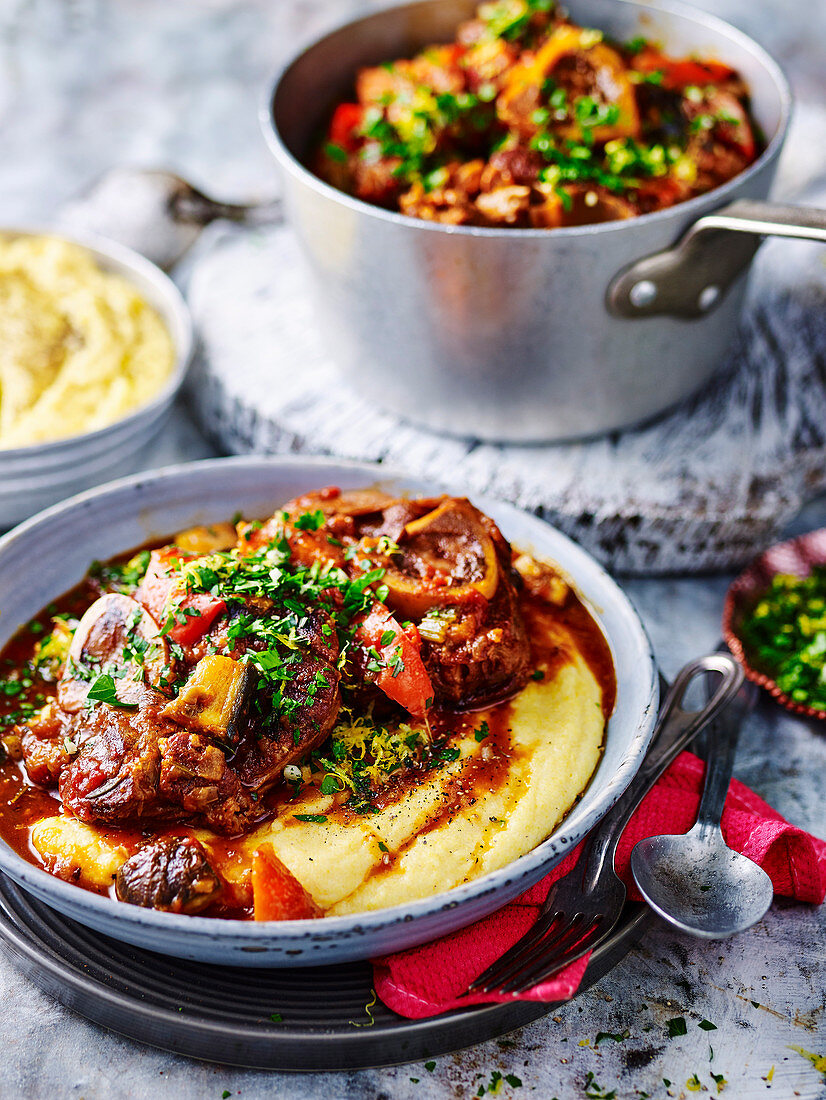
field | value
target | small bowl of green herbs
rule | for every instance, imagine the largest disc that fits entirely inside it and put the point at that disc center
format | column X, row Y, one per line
column 774, row 622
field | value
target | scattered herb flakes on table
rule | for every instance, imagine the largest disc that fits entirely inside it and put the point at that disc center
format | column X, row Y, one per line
column 785, row 635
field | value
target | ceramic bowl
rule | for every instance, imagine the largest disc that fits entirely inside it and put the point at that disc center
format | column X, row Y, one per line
column 32, row 478
column 126, row 513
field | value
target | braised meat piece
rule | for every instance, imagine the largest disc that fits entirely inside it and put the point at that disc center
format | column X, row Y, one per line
column 311, row 705
column 482, row 655
column 346, row 516
column 172, row 874
column 43, row 746
column 474, row 642
column 133, row 765
column 447, row 569
column 114, row 777
column 196, row 778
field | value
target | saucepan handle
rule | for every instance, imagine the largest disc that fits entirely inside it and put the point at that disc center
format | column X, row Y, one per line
column 692, row 277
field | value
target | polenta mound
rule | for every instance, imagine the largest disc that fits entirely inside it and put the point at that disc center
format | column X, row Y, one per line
column 79, row 346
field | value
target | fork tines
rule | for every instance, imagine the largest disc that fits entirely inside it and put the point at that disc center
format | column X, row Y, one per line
column 554, row 942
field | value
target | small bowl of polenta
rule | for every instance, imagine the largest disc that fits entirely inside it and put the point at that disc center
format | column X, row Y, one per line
column 95, row 342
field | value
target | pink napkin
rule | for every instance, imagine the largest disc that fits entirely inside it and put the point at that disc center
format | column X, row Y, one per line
column 427, row 980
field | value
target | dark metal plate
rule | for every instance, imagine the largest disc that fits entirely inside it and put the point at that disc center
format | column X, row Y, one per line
column 223, row 1014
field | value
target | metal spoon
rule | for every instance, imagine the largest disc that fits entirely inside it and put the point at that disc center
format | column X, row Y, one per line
column 156, row 212
column 695, row 881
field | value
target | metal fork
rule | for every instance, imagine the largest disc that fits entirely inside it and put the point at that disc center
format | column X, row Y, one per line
column 584, row 905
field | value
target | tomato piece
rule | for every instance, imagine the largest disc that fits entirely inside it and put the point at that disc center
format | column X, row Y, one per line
column 732, row 127
column 345, row 121
column 679, row 74
column 276, row 892
column 161, row 583
column 403, row 676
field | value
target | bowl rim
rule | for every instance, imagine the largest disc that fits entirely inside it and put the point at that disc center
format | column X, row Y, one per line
column 48, row 887
column 181, row 332
column 290, row 163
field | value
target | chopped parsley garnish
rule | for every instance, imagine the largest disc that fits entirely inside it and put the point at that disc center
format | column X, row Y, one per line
column 784, row 635
column 509, row 19
column 309, row 521
column 676, row 1026
column 335, row 152
column 595, row 1091
column 332, row 784
column 102, row 690
column 482, row 732
column 616, row 1037
column 120, row 576
column 315, row 819
column 635, row 45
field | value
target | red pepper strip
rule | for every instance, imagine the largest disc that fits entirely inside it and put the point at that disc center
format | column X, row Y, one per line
column 679, row 74
column 403, row 676
column 160, row 585
column 345, row 121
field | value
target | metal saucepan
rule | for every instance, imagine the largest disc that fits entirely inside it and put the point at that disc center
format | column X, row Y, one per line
column 528, row 334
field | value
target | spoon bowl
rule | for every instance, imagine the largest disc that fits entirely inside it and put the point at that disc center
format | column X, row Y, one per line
column 156, row 213
column 698, row 884
column 694, row 880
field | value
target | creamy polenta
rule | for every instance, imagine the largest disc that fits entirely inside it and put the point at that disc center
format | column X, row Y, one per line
column 456, row 826
column 79, row 347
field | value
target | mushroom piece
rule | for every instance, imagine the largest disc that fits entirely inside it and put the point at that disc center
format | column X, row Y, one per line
column 118, row 637
column 172, row 874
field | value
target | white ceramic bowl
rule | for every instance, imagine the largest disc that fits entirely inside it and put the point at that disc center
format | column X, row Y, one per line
column 32, row 478
column 126, row 513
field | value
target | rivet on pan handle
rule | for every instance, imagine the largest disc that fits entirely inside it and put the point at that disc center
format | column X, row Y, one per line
column 691, row 278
